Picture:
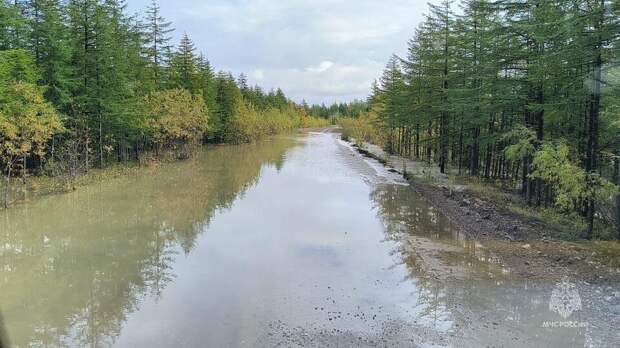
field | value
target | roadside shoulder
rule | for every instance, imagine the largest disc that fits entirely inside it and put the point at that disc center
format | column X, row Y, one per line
column 523, row 244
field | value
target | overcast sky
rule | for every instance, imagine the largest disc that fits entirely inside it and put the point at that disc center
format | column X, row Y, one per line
column 318, row 50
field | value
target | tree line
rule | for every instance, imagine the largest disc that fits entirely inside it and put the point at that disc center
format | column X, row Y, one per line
column 517, row 91
column 337, row 110
column 186, row 205
column 84, row 84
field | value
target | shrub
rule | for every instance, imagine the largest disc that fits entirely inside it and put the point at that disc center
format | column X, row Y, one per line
column 27, row 122
column 367, row 128
column 175, row 118
column 249, row 124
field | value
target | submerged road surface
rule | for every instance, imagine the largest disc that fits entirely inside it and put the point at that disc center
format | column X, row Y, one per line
column 295, row 241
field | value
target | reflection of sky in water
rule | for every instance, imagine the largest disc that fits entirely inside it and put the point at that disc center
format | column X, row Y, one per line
column 321, row 253
column 209, row 252
column 305, row 238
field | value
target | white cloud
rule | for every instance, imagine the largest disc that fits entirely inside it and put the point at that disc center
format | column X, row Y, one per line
column 323, row 66
column 320, row 50
column 258, row 74
column 325, row 82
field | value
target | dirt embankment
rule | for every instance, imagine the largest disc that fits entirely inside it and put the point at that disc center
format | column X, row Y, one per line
column 523, row 245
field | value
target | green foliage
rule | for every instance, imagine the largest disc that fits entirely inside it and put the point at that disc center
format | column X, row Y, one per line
column 16, row 65
column 184, row 66
column 553, row 165
column 337, row 110
column 571, row 184
column 523, row 143
column 249, row 124
column 97, row 64
column 123, row 88
column 157, row 42
column 48, row 41
column 205, row 82
column 305, row 119
column 483, row 89
column 13, row 27
column 227, row 99
column 367, row 128
column 243, row 125
column 175, row 117
column 27, row 122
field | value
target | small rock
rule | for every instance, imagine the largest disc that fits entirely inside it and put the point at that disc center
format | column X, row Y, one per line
column 526, row 246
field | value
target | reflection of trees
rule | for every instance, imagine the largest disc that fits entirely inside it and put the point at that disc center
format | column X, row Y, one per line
column 480, row 289
column 404, row 213
column 73, row 266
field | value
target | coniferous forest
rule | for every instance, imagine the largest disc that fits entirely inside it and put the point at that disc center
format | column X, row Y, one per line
column 468, row 197
column 84, row 84
column 522, row 93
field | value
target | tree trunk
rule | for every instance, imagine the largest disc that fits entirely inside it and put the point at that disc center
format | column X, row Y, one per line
column 7, row 189
column 101, row 163
column 592, row 154
column 86, row 159
column 617, row 181
column 526, row 182
column 475, row 153
column 417, row 141
column 429, row 142
column 461, row 150
column 445, row 120
column 24, row 168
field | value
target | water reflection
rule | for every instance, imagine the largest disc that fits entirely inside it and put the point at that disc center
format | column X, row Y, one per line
column 73, row 266
column 462, row 283
column 260, row 245
column 403, row 211
column 4, row 338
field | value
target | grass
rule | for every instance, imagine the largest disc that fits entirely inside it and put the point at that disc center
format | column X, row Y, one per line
column 559, row 225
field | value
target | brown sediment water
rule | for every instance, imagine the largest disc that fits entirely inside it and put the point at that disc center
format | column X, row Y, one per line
column 294, row 241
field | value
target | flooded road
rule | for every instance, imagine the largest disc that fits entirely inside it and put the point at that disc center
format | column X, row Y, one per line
column 296, row 241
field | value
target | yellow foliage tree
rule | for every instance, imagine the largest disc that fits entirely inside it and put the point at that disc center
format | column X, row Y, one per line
column 176, row 118
column 244, row 125
column 249, row 124
column 27, row 122
column 367, row 128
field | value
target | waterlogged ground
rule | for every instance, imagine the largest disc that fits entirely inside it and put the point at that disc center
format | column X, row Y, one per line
column 297, row 241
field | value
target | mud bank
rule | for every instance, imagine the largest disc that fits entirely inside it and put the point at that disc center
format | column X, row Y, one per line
column 524, row 246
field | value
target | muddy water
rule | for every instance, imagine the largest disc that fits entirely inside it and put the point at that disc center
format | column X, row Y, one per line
column 297, row 241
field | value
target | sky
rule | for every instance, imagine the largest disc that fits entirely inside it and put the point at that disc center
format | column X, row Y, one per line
column 321, row 51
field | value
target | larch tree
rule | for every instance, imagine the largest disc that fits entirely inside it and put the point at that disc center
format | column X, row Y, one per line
column 519, row 91
column 27, row 122
column 184, row 66
column 48, row 42
column 157, row 37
